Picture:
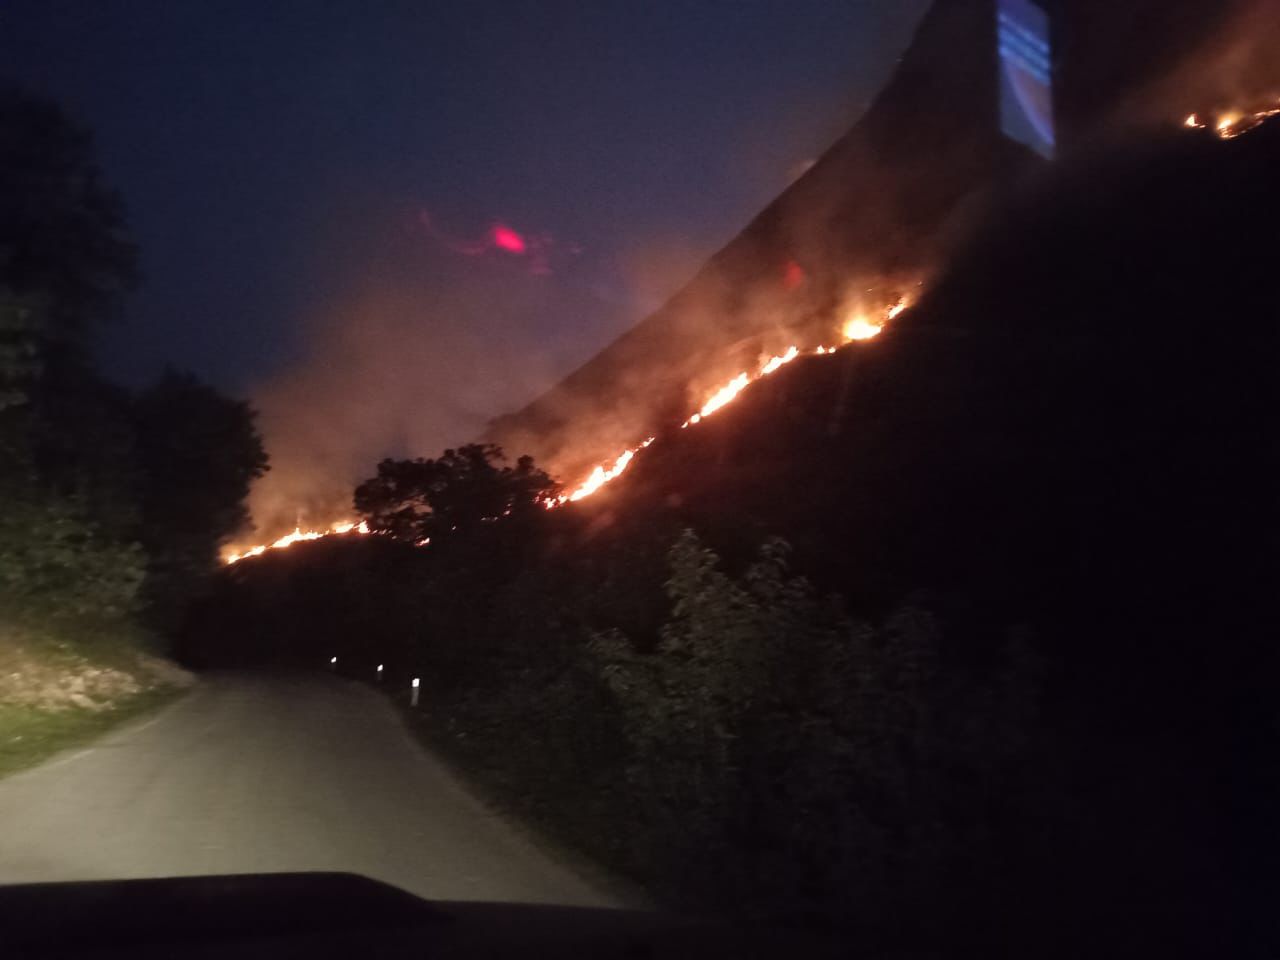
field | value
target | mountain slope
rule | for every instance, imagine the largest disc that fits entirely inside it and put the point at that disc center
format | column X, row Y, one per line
column 876, row 215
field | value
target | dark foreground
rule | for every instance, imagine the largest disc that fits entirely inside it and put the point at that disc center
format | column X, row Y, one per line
column 317, row 915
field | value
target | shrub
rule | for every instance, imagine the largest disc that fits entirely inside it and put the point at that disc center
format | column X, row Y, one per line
column 785, row 755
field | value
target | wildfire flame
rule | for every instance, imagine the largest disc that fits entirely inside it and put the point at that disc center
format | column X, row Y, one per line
column 857, row 328
column 600, row 476
column 297, row 535
column 776, row 362
column 1232, row 123
column 724, row 396
column 860, row 328
column 1227, row 125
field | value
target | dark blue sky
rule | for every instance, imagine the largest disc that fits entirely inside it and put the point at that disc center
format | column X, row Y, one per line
column 257, row 142
column 312, row 183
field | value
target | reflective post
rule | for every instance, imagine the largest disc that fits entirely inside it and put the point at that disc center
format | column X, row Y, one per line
column 413, row 697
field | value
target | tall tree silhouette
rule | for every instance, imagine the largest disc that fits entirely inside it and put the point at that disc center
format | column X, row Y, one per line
column 199, row 451
column 62, row 230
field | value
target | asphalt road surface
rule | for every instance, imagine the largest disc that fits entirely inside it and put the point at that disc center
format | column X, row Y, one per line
column 257, row 774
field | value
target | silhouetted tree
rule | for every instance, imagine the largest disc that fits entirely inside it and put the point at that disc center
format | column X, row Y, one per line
column 452, row 494
column 21, row 323
column 62, row 233
column 199, row 451
column 68, row 542
column 90, row 476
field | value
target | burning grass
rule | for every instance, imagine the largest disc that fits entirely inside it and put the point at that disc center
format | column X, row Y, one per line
column 859, row 326
column 1232, row 123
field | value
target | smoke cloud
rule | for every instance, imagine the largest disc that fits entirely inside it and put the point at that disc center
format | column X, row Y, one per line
column 433, row 342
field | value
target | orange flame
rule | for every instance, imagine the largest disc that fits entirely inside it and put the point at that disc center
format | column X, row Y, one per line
column 297, row 535
column 775, row 362
column 1227, row 125
column 725, row 395
column 600, row 476
column 860, row 328
column 857, row 328
column 1233, row 123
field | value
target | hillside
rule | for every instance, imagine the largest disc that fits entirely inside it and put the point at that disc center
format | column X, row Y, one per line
column 1067, row 341
column 874, row 218
column 952, row 641
column 1071, row 439
column 1020, row 705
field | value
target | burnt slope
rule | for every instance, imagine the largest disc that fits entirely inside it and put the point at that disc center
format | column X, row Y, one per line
column 866, row 214
column 1093, row 358
column 883, row 206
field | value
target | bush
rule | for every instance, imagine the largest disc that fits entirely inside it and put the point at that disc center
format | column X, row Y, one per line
column 54, row 562
column 786, row 756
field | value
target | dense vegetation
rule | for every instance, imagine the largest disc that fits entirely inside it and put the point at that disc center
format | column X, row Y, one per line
column 114, row 502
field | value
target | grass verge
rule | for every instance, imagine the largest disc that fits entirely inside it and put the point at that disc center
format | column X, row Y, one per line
column 29, row 735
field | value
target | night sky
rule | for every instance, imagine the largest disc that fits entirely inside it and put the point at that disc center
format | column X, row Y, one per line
column 452, row 194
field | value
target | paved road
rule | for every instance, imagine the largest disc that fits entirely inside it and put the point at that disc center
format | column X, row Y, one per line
column 262, row 774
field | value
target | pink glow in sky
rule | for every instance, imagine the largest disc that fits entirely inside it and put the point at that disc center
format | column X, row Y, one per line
column 507, row 239
column 535, row 249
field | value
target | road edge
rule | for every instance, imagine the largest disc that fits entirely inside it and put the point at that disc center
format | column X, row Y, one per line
column 83, row 728
column 627, row 893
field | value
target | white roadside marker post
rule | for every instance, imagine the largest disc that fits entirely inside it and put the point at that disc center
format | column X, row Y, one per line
column 413, row 697
column 379, row 673
column 333, row 662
